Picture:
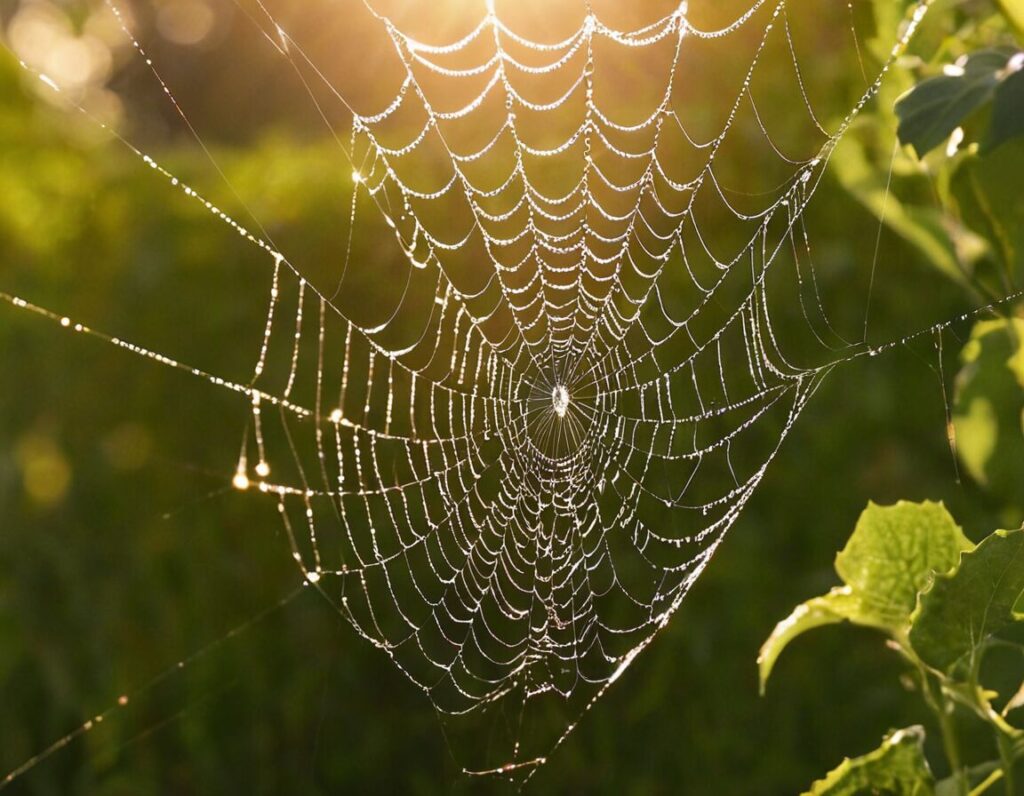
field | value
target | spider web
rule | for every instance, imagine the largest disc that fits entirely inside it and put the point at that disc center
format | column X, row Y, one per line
column 510, row 481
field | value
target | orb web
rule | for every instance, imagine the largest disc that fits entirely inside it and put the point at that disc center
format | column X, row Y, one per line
column 510, row 480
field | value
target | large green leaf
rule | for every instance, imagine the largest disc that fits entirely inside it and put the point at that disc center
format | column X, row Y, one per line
column 934, row 108
column 891, row 556
column 988, row 411
column 897, row 768
column 961, row 611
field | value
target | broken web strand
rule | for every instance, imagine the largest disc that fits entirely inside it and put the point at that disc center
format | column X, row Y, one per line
column 559, row 478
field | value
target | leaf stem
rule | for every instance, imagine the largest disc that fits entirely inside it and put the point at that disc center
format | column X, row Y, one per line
column 949, row 742
column 1007, row 758
column 988, row 782
column 940, row 705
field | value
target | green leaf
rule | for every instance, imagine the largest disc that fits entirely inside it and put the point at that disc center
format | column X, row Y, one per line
column 961, row 611
column 988, row 409
column 934, row 108
column 892, row 554
column 838, row 605
column 1007, row 110
column 898, row 767
column 991, row 204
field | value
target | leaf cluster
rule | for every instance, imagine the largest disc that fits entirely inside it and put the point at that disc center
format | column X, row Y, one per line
column 909, row 572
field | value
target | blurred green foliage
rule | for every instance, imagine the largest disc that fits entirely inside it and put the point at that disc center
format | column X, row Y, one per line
column 121, row 552
column 988, row 415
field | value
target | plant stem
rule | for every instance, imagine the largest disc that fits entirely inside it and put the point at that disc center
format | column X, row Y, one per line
column 940, row 705
column 1006, row 757
column 949, row 743
column 988, row 782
